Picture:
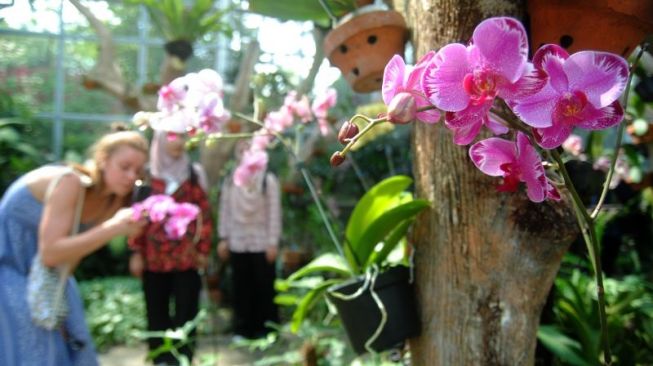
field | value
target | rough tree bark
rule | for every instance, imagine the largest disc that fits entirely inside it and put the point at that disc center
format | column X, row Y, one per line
column 485, row 260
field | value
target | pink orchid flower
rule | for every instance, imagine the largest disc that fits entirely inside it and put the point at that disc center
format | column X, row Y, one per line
column 157, row 206
column 582, row 92
column 464, row 81
column 278, row 121
column 399, row 78
column 320, row 107
column 515, row 162
column 171, row 95
column 573, row 145
column 181, row 215
column 252, row 162
column 212, row 114
column 299, row 107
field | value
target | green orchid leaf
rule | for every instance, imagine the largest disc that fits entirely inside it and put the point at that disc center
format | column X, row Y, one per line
column 390, row 242
column 307, row 302
column 328, row 262
column 379, row 199
column 302, row 10
column 286, row 299
column 383, row 226
column 563, row 347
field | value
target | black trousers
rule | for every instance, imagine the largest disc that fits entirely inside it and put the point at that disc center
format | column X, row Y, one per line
column 253, row 294
column 160, row 288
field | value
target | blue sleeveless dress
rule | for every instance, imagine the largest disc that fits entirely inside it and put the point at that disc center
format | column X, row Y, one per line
column 21, row 342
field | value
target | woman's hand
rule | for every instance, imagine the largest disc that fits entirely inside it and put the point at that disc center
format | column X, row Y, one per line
column 271, row 254
column 223, row 250
column 124, row 221
column 136, row 265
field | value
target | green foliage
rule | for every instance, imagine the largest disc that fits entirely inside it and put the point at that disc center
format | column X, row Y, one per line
column 17, row 154
column 575, row 337
column 377, row 225
column 180, row 22
column 115, row 310
column 302, row 10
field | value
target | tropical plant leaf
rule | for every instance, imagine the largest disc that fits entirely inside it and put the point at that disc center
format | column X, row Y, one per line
column 302, row 10
column 382, row 227
column 328, row 262
column 390, row 243
column 563, row 347
column 307, row 302
column 379, row 199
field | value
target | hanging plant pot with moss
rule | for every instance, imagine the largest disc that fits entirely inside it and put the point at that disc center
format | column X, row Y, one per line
column 616, row 26
column 363, row 42
column 377, row 312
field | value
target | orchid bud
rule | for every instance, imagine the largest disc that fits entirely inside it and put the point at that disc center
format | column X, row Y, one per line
column 347, row 132
column 336, row 159
column 402, row 108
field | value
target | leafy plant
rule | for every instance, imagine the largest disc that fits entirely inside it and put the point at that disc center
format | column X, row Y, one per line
column 115, row 310
column 180, row 22
column 17, row 154
column 575, row 337
column 376, row 227
column 302, row 10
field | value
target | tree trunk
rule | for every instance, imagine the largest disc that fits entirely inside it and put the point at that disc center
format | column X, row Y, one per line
column 485, row 259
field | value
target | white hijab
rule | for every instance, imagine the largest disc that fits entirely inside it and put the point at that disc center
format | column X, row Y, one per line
column 163, row 166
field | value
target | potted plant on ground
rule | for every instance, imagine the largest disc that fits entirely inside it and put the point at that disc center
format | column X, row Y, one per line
column 369, row 280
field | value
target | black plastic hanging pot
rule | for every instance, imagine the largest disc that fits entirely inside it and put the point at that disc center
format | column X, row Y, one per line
column 363, row 317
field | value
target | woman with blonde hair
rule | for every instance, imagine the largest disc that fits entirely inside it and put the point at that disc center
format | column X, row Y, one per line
column 39, row 213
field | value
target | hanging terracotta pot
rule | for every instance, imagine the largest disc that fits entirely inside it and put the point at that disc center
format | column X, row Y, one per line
column 363, row 43
column 616, row 26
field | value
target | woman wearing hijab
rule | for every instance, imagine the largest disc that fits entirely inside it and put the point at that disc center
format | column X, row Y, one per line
column 249, row 229
column 170, row 268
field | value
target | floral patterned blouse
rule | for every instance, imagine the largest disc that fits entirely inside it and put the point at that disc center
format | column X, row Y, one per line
column 162, row 254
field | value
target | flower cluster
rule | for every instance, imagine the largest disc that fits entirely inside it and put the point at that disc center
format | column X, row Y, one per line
column 160, row 208
column 490, row 82
column 294, row 108
column 189, row 104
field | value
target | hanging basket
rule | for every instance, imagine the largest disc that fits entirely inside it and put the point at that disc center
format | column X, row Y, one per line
column 361, row 315
column 362, row 44
column 616, row 26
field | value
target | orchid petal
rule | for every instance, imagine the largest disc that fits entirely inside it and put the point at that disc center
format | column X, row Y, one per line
column 393, row 78
column 504, row 44
column 429, row 116
column 529, row 84
column 602, row 76
column 490, row 154
column 552, row 137
column 536, row 110
column 472, row 114
column 548, row 51
column 495, row 125
column 464, row 134
column 598, row 119
column 530, row 166
column 442, row 80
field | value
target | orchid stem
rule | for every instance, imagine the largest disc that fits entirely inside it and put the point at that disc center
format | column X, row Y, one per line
column 620, row 133
column 370, row 124
column 586, row 225
column 307, row 178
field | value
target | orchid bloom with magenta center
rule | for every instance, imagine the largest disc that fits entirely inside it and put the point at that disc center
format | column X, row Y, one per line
column 464, row 81
column 582, row 91
column 515, row 162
